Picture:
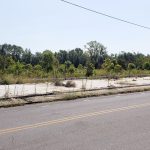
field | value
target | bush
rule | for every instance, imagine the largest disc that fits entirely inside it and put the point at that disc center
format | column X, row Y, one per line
column 58, row 83
column 131, row 66
column 4, row 82
column 19, row 81
column 89, row 70
column 146, row 66
column 70, row 84
column 7, row 79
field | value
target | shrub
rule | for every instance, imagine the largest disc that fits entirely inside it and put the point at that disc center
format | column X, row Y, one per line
column 20, row 81
column 71, row 69
column 4, row 82
column 70, row 84
column 146, row 66
column 131, row 66
column 89, row 70
column 58, row 83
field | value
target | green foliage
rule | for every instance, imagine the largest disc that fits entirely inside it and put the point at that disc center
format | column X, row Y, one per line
column 62, row 56
column 125, row 58
column 75, row 56
column 27, row 57
column 38, row 67
column 18, row 65
column 55, row 67
column 131, row 66
column 108, row 65
column 67, row 64
column 80, row 67
column 146, row 66
column 89, row 69
column 47, row 60
column 62, row 69
column 97, row 53
column 117, row 68
column 71, row 69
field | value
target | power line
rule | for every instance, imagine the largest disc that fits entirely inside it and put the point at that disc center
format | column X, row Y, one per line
column 103, row 14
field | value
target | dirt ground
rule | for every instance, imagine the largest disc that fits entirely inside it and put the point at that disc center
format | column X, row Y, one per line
column 43, row 88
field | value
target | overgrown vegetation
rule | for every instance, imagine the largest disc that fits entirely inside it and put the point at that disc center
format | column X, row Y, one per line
column 20, row 66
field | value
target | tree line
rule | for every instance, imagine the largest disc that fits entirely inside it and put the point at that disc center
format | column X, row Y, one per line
column 18, row 61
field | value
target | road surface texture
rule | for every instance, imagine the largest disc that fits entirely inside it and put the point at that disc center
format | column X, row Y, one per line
column 118, row 122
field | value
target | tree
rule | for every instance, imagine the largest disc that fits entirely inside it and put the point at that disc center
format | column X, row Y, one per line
column 6, row 62
column 77, row 57
column 2, row 63
column 67, row 65
column 71, row 69
column 37, row 67
column 117, row 69
column 4, row 49
column 27, row 57
column 139, row 60
column 62, row 70
column 124, row 59
column 56, row 67
column 16, row 52
column 62, row 56
column 131, row 66
column 146, row 66
column 97, row 53
column 28, row 69
column 38, row 70
column 18, row 68
column 9, row 53
column 37, row 58
column 89, row 69
column 109, row 67
column 47, row 60
column 80, row 67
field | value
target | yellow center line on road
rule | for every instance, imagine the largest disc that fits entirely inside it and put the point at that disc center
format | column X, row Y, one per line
column 67, row 119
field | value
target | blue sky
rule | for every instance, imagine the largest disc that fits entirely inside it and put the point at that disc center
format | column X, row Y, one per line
column 54, row 25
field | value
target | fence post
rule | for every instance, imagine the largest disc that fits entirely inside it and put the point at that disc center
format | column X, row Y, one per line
column 22, row 90
column 46, row 87
column 35, row 88
column 15, row 91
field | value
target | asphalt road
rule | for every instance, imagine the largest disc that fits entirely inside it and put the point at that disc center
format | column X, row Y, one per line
column 118, row 122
